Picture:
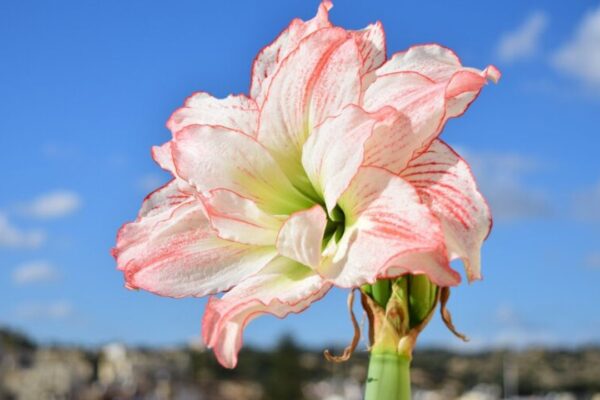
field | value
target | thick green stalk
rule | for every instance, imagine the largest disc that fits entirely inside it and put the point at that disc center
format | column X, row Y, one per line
column 398, row 310
column 388, row 377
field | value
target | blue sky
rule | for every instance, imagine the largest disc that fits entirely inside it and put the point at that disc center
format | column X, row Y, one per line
column 87, row 87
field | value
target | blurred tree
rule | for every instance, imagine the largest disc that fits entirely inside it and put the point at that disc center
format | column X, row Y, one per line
column 13, row 340
column 287, row 375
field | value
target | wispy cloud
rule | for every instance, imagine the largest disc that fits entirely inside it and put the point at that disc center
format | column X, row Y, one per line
column 55, row 204
column 506, row 315
column 506, row 327
column 580, row 56
column 586, row 204
column 592, row 260
column 524, row 41
column 150, row 182
column 34, row 272
column 501, row 177
column 514, row 330
column 57, row 310
column 59, row 151
column 117, row 160
column 13, row 237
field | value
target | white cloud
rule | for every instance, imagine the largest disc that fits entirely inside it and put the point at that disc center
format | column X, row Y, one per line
column 506, row 327
column 581, row 55
column 59, row 151
column 150, row 182
column 52, row 205
column 34, row 272
column 117, row 161
column 507, row 316
column 524, row 41
column 57, row 310
column 586, row 204
column 514, row 330
column 520, row 338
column 13, row 237
column 592, row 260
column 501, row 179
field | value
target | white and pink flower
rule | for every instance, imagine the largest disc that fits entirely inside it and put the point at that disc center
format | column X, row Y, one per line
column 330, row 173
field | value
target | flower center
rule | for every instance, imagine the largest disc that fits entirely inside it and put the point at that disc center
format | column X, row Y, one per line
column 336, row 223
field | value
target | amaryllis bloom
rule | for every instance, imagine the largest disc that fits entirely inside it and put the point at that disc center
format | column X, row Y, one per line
column 330, row 173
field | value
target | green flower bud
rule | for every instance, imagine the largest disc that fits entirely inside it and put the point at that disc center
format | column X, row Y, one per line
column 422, row 298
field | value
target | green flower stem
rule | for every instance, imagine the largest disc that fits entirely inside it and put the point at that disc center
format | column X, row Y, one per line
column 388, row 377
column 399, row 310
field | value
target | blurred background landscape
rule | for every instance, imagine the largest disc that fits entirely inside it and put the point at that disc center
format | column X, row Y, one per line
column 86, row 89
column 285, row 371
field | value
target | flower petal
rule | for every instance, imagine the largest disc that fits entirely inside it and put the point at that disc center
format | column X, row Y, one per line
column 421, row 106
column 281, row 288
column 164, row 200
column 164, row 158
column 171, row 250
column 428, row 85
column 423, row 263
column 436, row 62
column 445, row 182
column 385, row 221
column 426, row 106
column 334, row 152
column 301, row 236
column 371, row 44
column 270, row 57
column 210, row 157
column 315, row 81
column 239, row 219
column 236, row 112
column 464, row 87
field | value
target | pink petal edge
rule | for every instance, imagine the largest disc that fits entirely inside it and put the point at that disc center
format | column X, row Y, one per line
column 283, row 287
